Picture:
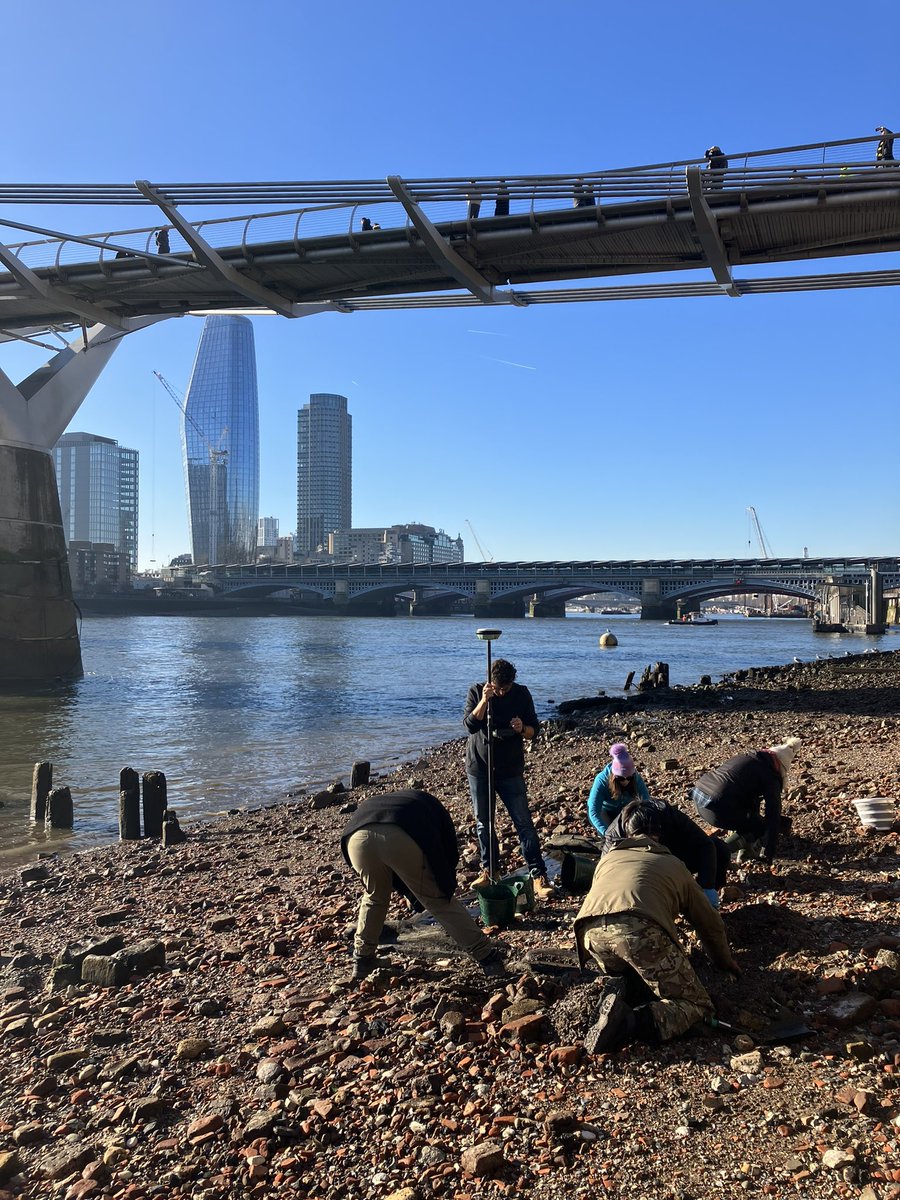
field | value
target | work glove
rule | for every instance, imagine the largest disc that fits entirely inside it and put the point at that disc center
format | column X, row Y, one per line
column 712, row 896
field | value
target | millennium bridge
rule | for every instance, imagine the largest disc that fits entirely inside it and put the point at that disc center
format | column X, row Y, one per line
column 297, row 249
column 663, row 588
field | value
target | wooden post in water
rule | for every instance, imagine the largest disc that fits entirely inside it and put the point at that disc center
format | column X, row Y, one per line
column 154, row 802
column 41, row 783
column 359, row 774
column 129, row 805
column 628, row 681
column 60, row 810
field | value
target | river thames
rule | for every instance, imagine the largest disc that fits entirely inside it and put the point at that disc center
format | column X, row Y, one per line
column 239, row 711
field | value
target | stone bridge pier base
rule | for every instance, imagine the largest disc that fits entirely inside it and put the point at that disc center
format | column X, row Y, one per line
column 546, row 608
column 38, row 626
column 421, row 606
column 653, row 606
column 498, row 606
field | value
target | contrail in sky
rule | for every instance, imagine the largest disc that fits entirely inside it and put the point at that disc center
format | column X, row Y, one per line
column 488, row 333
column 508, row 363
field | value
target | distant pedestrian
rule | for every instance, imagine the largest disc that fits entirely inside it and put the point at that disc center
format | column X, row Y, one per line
column 614, row 787
column 366, row 225
column 161, row 237
column 406, row 842
column 884, row 151
column 716, row 163
column 583, row 195
column 730, row 797
column 501, row 206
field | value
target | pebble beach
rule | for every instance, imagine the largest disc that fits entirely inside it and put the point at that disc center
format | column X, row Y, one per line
column 180, row 1023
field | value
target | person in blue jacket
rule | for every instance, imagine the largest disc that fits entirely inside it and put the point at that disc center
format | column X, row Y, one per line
column 614, row 787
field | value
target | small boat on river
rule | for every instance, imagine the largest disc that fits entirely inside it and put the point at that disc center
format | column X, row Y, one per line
column 693, row 619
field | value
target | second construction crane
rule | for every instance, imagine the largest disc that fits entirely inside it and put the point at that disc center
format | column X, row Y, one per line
column 765, row 550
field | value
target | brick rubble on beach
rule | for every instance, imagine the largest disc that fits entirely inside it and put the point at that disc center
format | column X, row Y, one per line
column 178, row 1023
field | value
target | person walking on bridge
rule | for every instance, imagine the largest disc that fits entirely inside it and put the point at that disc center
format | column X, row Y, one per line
column 514, row 723
column 884, row 151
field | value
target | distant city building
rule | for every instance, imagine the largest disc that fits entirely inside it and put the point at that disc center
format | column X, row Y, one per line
column 324, row 471
column 395, row 544
column 284, row 549
column 98, row 567
column 220, row 440
column 98, row 492
column 267, row 534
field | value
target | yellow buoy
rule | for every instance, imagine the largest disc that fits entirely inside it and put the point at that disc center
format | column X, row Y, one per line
column 608, row 639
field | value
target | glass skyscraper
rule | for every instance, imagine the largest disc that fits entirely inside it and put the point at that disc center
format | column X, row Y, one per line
column 324, row 470
column 220, row 440
column 98, row 491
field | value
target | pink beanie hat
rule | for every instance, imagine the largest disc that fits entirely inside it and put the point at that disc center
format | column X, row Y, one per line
column 622, row 762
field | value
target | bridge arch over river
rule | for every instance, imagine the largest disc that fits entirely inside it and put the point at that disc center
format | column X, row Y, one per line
column 296, row 249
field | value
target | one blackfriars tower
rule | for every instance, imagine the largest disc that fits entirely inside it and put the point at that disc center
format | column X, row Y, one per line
column 324, row 470
column 220, row 439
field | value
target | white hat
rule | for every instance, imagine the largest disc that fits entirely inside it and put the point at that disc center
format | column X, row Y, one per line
column 785, row 752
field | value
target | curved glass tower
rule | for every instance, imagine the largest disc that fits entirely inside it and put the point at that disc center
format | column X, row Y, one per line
column 220, row 440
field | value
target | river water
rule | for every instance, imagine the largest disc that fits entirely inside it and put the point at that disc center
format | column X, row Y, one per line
column 240, row 710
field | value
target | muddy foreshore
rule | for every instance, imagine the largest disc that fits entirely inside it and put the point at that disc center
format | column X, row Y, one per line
column 214, row 1050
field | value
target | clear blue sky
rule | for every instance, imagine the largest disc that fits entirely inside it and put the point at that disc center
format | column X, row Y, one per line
column 640, row 429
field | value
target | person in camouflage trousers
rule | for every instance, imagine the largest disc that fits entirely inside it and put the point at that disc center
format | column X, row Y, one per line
column 627, row 926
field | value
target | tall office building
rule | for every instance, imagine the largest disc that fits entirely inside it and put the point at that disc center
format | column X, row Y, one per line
column 98, row 491
column 324, row 470
column 220, row 440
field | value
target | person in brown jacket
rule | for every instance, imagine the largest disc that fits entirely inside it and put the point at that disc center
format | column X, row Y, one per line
column 627, row 926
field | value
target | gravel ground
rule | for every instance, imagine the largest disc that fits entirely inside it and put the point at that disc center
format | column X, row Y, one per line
column 179, row 1023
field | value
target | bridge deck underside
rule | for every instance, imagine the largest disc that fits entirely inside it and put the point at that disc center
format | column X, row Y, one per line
column 755, row 226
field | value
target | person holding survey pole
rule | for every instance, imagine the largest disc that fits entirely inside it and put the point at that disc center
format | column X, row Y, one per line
column 500, row 718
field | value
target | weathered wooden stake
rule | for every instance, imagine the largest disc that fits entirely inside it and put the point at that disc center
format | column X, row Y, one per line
column 60, row 810
column 154, row 802
column 129, row 805
column 41, row 783
column 359, row 774
column 172, row 833
column 628, row 682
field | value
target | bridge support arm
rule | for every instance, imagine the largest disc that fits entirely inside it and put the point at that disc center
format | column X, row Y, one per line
column 58, row 298
column 708, row 232
column 445, row 256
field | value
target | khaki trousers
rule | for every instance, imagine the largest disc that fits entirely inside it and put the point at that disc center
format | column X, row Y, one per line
column 378, row 853
column 629, row 940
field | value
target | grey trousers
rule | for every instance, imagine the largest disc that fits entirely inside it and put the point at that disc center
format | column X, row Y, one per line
column 377, row 853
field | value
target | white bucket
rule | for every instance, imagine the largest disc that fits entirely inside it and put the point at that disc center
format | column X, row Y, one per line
column 876, row 812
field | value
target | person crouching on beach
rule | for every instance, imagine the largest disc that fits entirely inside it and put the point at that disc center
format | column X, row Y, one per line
column 613, row 788
column 730, row 797
column 406, row 842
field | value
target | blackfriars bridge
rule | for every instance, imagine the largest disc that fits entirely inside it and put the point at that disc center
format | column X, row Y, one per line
column 663, row 588
column 295, row 249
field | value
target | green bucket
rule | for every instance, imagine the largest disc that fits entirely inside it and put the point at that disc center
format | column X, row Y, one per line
column 497, row 904
column 577, row 872
column 524, row 884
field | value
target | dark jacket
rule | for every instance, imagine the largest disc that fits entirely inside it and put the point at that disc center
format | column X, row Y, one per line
column 737, row 788
column 427, row 822
column 509, row 749
column 681, row 836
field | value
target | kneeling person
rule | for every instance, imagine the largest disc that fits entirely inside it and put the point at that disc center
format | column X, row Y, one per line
column 627, row 923
column 406, row 841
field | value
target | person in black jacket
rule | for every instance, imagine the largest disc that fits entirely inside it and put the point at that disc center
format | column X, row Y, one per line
column 704, row 856
column 406, row 841
column 514, row 722
column 730, row 797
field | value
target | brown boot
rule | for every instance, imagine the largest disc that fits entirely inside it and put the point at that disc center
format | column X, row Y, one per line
column 543, row 888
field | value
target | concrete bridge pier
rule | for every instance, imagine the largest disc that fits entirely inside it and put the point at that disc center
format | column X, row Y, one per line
column 654, row 607
column 421, row 606
column 876, row 613
column 546, row 608
column 497, row 606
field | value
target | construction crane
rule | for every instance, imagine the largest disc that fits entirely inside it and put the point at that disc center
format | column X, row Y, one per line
column 217, row 462
column 765, row 550
column 486, row 555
